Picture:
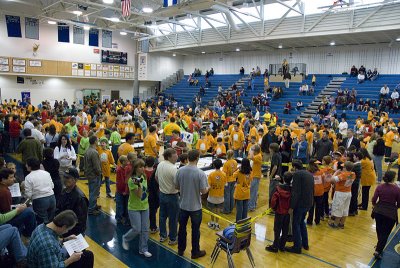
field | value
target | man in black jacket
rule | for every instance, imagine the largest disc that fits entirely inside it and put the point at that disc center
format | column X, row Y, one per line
column 73, row 198
column 300, row 203
column 323, row 146
column 350, row 140
column 267, row 139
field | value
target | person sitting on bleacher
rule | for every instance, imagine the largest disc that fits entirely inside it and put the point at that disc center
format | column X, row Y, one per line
column 288, row 107
column 384, row 91
column 353, row 71
column 299, row 105
column 360, row 77
column 241, row 71
column 375, row 75
column 362, row 69
column 394, row 95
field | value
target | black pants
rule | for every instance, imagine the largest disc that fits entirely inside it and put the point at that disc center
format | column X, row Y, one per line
column 152, row 215
column 365, row 196
column 354, row 197
column 281, row 224
column 86, row 261
column 318, row 208
column 384, row 226
column 195, row 218
column 325, row 203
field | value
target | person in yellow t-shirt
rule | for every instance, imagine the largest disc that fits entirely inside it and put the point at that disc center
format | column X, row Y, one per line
column 171, row 126
column 253, row 141
column 242, row 191
column 210, row 140
column 237, row 139
column 256, row 157
column 100, row 127
column 229, row 168
column 150, row 143
column 389, row 138
column 220, row 149
column 202, row 144
column 215, row 200
column 107, row 160
column 253, row 131
column 127, row 147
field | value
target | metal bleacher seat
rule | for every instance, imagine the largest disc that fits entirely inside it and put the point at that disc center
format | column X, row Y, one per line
column 240, row 241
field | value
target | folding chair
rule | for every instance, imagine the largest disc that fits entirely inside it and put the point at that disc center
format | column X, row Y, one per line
column 240, row 241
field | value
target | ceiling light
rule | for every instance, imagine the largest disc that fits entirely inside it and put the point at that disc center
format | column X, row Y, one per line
column 174, row 55
column 203, row 52
column 86, row 27
column 123, row 33
column 108, row 1
column 280, row 46
column 237, row 49
column 147, row 10
column 114, row 19
column 332, row 43
column 398, row 38
column 51, row 22
column 77, row 12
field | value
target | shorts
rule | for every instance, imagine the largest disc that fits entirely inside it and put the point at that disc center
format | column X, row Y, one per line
column 214, row 206
column 340, row 204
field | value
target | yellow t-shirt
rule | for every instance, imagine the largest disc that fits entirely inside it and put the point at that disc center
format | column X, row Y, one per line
column 389, row 139
column 220, row 149
column 237, row 139
column 149, row 143
column 202, row 146
column 242, row 190
column 171, row 127
column 106, row 159
column 216, row 181
column 125, row 148
column 257, row 163
column 229, row 168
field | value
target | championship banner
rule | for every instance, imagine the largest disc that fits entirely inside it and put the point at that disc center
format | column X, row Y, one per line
column 25, row 95
column 106, row 38
column 94, row 37
column 63, row 33
column 13, row 26
column 32, row 28
column 78, row 35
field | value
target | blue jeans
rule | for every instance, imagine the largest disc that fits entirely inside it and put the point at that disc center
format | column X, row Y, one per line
column 255, row 183
column 241, row 209
column 107, row 183
column 300, row 236
column 229, row 202
column 14, row 144
column 94, row 192
column 10, row 239
column 236, row 153
column 378, row 166
column 140, row 225
column 169, row 208
column 25, row 222
column 114, row 151
column 44, row 208
column 121, row 206
column 195, row 218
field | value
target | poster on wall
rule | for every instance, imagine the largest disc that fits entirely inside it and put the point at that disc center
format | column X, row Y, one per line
column 19, row 69
column 4, row 61
column 75, row 72
column 105, row 97
column 142, row 67
column 19, row 62
column 35, row 63
column 25, row 95
column 99, row 74
column 4, row 68
column 74, row 65
column 13, row 26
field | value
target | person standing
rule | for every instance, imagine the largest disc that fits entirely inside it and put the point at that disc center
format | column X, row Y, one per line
column 300, row 203
column 29, row 148
column 324, row 146
column 191, row 182
column 169, row 198
column 378, row 152
column 368, row 178
column 93, row 175
column 386, row 201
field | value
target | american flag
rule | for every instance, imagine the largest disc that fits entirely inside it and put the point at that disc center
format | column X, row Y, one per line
column 126, row 7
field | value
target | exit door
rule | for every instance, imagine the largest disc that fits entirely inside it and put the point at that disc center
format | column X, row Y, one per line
column 114, row 95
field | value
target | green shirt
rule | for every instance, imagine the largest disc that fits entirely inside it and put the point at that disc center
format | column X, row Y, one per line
column 73, row 131
column 134, row 202
column 4, row 218
column 83, row 145
column 115, row 138
column 164, row 123
column 195, row 139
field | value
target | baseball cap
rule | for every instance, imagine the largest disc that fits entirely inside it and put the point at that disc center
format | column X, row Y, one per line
column 72, row 172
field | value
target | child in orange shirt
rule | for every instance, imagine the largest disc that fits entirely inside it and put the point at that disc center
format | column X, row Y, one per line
column 202, row 144
column 327, row 170
column 106, row 159
column 318, row 192
column 343, row 180
column 230, row 166
column 220, row 149
column 253, row 141
column 256, row 157
column 215, row 199
column 242, row 191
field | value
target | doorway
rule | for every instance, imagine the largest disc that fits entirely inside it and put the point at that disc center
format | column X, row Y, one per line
column 114, row 95
column 91, row 96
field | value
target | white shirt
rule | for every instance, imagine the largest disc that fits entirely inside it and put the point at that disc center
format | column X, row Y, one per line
column 384, row 90
column 37, row 135
column 38, row 184
column 29, row 125
column 165, row 173
column 61, row 155
column 395, row 95
column 257, row 115
column 349, row 141
column 360, row 77
column 343, row 126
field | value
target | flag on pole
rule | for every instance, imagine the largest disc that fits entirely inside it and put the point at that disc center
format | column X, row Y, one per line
column 126, row 7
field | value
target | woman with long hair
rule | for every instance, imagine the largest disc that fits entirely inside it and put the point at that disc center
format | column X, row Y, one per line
column 285, row 146
column 368, row 177
column 52, row 166
column 138, row 209
column 242, row 191
column 386, row 201
column 51, row 137
column 64, row 153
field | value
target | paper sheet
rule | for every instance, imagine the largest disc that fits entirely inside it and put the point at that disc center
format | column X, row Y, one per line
column 76, row 245
column 15, row 190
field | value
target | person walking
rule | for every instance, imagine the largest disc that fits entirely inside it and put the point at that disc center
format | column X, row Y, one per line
column 191, row 182
column 93, row 175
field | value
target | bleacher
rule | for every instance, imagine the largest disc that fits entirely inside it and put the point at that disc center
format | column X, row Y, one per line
column 369, row 90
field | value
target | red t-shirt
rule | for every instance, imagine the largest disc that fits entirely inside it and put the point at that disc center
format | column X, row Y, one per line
column 5, row 199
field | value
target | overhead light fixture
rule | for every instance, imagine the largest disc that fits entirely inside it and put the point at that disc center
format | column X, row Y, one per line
column 147, row 10
column 332, row 43
column 108, row 1
column 203, row 52
column 86, row 27
column 77, row 12
column 280, row 46
column 114, row 19
column 123, row 33
column 51, row 22
column 174, row 55
column 237, row 49
column 398, row 38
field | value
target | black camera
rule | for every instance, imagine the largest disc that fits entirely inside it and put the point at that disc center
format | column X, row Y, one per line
column 137, row 180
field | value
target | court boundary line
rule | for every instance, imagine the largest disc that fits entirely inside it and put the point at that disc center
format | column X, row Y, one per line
column 392, row 235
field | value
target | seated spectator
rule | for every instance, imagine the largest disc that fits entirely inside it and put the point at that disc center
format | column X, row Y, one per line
column 353, row 71
column 299, row 105
column 366, row 106
column 362, row 69
column 72, row 198
column 351, row 102
column 10, row 240
column 360, row 104
column 196, row 82
column 313, row 80
column 394, row 95
column 211, row 72
column 45, row 250
column 241, row 71
column 191, row 82
column 258, row 71
column 311, row 91
column 360, row 78
column 266, row 73
column 369, row 74
column 384, row 91
column 287, row 108
column 375, row 75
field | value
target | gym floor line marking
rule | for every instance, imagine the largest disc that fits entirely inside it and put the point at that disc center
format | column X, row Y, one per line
column 392, row 235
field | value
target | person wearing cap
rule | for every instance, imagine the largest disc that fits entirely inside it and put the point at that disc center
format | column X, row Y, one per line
column 74, row 199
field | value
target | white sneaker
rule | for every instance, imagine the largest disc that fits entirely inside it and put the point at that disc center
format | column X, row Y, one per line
column 125, row 244
column 211, row 225
column 146, row 254
column 216, row 227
